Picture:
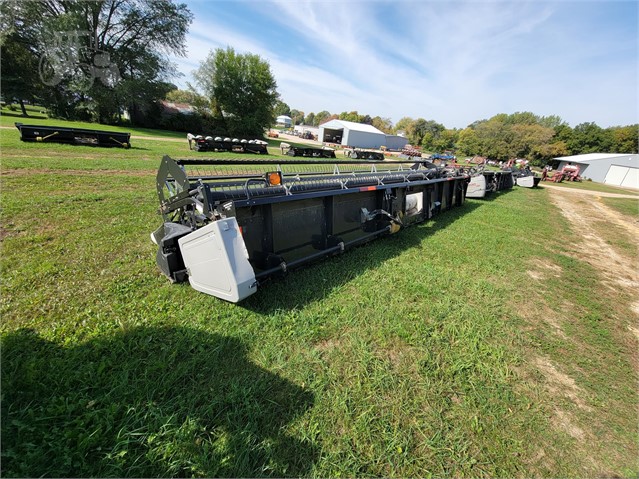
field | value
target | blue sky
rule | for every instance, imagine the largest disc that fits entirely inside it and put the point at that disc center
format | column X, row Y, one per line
column 453, row 62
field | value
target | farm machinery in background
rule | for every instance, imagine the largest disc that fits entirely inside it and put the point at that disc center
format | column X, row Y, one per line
column 360, row 154
column 522, row 174
column 483, row 182
column 73, row 136
column 229, row 225
column 208, row 143
column 307, row 151
column 568, row 172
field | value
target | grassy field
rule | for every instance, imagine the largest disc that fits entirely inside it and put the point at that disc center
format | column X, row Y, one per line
column 475, row 345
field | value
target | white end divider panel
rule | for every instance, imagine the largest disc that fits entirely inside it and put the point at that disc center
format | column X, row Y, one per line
column 476, row 187
column 216, row 259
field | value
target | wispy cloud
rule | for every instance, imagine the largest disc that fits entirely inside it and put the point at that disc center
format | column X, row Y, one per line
column 454, row 62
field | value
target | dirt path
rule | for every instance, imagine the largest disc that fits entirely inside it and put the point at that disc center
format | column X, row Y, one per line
column 586, row 219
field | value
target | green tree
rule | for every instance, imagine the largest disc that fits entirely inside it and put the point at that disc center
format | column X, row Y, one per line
column 349, row 116
column 403, row 124
column 468, row 143
column 19, row 69
column 281, row 108
column 321, row 117
column 447, row 140
column 310, row 119
column 242, row 88
column 624, row 139
column 100, row 56
column 189, row 97
column 589, row 137
column 297, row 116
column 383, row 124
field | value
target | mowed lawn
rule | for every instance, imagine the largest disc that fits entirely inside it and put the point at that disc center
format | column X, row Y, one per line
column 475, row 345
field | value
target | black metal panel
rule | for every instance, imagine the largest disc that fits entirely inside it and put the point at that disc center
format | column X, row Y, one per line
column 298, row 224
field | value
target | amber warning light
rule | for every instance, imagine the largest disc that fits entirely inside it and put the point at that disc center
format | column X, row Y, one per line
column 274, row 178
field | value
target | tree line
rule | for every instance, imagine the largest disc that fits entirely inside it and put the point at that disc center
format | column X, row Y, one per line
column 501, row 137
column 95, row 60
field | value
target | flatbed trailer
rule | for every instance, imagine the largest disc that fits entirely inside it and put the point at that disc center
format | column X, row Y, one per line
column 73, row 136
column 228, row 225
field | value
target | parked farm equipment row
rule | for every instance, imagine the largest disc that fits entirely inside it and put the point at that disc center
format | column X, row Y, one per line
column 359, row 154
column 307, row 151
column 208, row 143
column 525, row 177
column 73, row 136
column 229, row 225
column 486, row 182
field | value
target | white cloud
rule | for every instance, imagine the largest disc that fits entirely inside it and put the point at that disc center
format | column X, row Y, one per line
column 452, row 62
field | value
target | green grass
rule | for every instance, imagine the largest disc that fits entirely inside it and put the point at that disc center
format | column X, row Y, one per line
column 144, row 154
column 411, row 356
column 625, row 206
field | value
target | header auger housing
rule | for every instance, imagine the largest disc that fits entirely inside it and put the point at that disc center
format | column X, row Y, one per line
column 230, row 224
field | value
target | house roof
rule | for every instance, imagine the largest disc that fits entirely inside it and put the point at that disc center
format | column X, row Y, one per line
column 588, row 158
column 176, row 107
column 351, row 125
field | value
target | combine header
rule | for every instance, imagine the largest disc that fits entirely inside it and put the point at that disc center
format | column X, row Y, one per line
column 229, row 225
column 359, row 154
column 307, row 151
column 208, row 143
column 73, row 136
column 487, row 182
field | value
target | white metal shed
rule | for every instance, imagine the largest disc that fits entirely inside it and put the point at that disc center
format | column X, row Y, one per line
column 348, row 133
column 610, row 168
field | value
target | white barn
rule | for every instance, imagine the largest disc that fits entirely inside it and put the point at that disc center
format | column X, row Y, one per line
column 348, row 133
column 610, row 168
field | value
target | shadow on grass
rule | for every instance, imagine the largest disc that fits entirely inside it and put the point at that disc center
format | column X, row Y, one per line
column 149, row 402
column 30, row 116
column 316, row 281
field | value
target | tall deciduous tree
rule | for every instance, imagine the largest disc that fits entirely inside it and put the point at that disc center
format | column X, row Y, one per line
column 281, row 108
column 382, row 124
column 297, row 116
column 321, row 117
column 105, row 54
column 242, row 88
column 310, row 119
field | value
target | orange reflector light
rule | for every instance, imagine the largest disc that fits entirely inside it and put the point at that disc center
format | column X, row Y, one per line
column 274, row 178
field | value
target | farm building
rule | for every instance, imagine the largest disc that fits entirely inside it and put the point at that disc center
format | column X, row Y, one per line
column 284, row 120
column 358, row 135
column 610, row 168
column 396, row 142
column 301, row 129
column 348, row 133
